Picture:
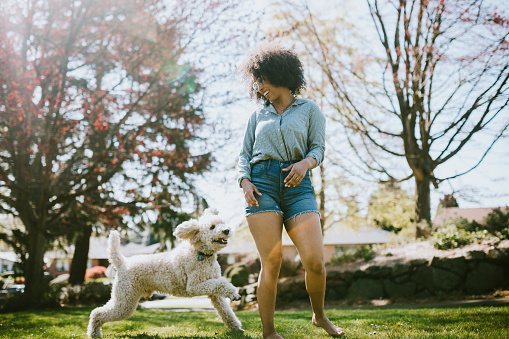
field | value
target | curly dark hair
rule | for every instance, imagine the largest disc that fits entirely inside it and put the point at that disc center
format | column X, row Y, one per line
column 275, row 63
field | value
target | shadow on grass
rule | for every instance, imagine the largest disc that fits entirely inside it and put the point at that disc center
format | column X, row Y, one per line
column 227, row 335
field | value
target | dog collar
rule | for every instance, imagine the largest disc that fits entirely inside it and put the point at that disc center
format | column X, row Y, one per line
column 202, row 255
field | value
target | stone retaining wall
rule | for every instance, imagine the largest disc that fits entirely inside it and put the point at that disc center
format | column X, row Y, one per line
column 475, row 273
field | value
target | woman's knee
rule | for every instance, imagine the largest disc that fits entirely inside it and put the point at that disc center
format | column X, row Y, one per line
column 272, row 264
column 314, row 265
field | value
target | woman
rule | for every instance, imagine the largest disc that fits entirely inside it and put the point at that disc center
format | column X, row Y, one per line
column 284, row 139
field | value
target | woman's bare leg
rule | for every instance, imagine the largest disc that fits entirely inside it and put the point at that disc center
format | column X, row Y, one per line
column 306, row 233
column 266, row 229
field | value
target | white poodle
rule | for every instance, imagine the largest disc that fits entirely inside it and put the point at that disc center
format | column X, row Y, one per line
column 191, row 269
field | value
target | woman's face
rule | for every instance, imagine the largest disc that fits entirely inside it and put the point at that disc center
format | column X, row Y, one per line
column 267, row 90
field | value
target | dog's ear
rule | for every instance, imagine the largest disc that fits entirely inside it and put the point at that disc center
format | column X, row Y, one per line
column 187, row 230
column 211, row 211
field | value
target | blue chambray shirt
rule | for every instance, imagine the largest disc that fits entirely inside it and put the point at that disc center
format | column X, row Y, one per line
column 296, row 134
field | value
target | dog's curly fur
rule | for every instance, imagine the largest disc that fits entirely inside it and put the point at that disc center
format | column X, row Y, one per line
column 181, row 272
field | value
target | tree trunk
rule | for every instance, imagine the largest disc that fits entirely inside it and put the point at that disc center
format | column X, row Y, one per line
column 34, row 273
column 80, row 257
column 422, row 206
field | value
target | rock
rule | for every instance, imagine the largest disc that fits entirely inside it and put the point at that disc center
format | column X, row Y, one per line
column 346, row 276
column 445, row 280
column 400, row 269
column 401, row 278
column 377, row 271
column 62, row 278
column 496, row 254
column 434, row 278
column 395, row 290
column 484, row 278
column 419, row 262
column 424, row 294
column 457, row 265
column 503, row 244
column 475, row 255
column 334, row 277
column 291, row 285
column 336, row 292
column 366, row 288
column 250, row 298
column 251, row 288
column 423, row 276
column 359, row 274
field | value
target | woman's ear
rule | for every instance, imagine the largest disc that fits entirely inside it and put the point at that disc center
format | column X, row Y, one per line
column 187, row 230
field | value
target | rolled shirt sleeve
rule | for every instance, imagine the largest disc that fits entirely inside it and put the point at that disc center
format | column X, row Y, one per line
column 246, row 153
column 316, row 135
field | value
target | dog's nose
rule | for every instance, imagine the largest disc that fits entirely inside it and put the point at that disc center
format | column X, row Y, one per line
column 226, row 232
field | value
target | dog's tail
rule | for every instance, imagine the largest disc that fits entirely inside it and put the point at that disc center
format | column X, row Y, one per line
column 116, row 259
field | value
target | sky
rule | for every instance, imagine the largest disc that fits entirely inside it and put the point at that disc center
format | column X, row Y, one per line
column 485, row 186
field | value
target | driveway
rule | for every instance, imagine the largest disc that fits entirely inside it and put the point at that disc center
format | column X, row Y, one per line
column 196, row 303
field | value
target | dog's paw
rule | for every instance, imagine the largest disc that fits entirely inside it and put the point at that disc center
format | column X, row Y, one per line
column 235, row 296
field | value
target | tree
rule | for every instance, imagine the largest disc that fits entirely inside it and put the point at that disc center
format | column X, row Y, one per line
column 391, row 209
column 438, row 79
column 98, row 110
column 79, row 224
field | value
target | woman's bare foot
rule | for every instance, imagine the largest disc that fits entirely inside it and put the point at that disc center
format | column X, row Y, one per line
column 273, row 335
column 329, row 327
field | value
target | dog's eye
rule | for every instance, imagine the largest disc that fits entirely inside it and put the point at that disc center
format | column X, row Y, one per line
column 212, row 227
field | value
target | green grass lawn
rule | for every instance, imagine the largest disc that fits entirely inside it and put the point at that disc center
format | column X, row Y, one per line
column 452, row 322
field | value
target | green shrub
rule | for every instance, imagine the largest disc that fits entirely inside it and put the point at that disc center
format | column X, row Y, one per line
column 12, row 303
column 50, row 298
column 451, row 237
column 89, row 293
column 469, row 226
column 289, row 268
column 363, row 252
column 237, row 274
column 497, row 223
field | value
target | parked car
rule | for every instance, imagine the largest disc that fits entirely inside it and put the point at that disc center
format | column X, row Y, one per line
column 13, row 289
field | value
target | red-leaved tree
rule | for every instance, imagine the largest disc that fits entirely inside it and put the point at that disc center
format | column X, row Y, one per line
column 99, row 113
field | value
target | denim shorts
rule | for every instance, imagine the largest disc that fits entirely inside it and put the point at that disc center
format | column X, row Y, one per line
column 269, row 178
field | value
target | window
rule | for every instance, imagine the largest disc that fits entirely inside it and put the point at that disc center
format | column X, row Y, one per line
column 62, row 265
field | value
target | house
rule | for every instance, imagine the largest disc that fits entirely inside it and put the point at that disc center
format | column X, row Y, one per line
column 59, row 261
column 336, row 239
column 7, row 261
column 451, row 213
column 448, row 209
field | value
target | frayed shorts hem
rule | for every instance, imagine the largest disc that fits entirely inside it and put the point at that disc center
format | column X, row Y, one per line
column 299, row 213
column 281, row 213
column 257, row 212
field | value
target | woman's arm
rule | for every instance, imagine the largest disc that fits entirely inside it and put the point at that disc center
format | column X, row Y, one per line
column 316, row 135
column 246, row 153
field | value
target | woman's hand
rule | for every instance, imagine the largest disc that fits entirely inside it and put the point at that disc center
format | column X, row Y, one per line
column 298, row 171
column 249, row 192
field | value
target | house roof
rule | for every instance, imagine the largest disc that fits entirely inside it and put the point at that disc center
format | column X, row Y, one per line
column 451, row 213
column 99, row 245
column 9, row 256
column 242, row 242
column 98, row 250
column 339, row 235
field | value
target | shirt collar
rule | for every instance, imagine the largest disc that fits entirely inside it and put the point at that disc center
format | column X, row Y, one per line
column 297, row 102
